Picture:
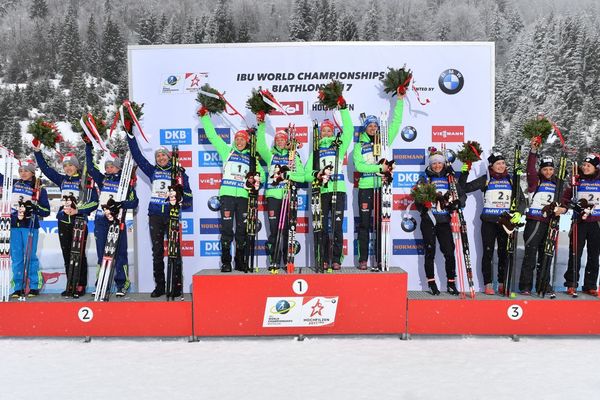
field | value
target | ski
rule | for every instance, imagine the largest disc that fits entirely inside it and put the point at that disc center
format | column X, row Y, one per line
column 512, row 229
column 116, row 216
column 543, row 284
column 459, row 232
column 174, row 284
column 79, row 234
column 315, row 203
column 30, row 206
column 336, row 169
column 577, row 207
column 292, row 201
column 252, row 216
column 385, row 198
column 5, row 210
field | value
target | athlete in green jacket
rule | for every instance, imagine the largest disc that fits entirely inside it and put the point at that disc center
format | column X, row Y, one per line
column 333, row 181
column 370, row 179
column 233, row 193
column 277, row 188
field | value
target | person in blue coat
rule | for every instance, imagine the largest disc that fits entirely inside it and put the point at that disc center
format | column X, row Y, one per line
column 69, row 184
column 159, row 206
column 108, row 183
column 22, row 212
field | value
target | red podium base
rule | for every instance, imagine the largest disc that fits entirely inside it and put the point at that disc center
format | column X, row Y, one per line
column 304, row 303
column 135, row 315
column 495, row 315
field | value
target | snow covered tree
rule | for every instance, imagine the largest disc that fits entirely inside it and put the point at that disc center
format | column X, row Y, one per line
column 78, row 98
column 113, row 53
column 189, row 34
column 38, row 9
column 147, row 30
column 301, row 24
column 70, row 48
column 347, row 29
column 92, row 48
column 222, row 28
column 371, row 23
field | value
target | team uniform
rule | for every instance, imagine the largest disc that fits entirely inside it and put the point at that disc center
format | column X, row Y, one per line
column 159, row 208
column 70, row 189
column 109, row 185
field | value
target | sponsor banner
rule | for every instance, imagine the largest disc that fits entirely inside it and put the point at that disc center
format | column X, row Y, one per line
column 210, row 248
column 187, row 226
column 301, row 133
column 300, row 311
column 209, row 181
column 185, row 158
column 447, row 133
column 403, row 202
column 408, row 247
column 409, row 156
column 209, row 158
column 176, row 136
column 224, row 133
column 407, row 179
column 187, row 248
column 210, row 226
column 302, row 225
column 291, row 108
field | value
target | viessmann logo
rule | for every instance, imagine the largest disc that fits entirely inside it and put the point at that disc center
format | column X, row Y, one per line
column 290, row 107
column 209, row 181
column 447, row 133
column 301, row 133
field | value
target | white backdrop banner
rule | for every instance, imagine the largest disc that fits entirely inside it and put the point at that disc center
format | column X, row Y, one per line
column 457, row 78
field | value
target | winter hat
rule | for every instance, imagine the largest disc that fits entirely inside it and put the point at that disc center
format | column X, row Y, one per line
column 592, row 159
column 164, row 150
column 327, row 123
column 115, row 161
column 243, row 134
column 495, row 156
column 281, row 135
column 436, row 157
column 547, row 161
column 28, row 165
column 71, row 158
column 371, row 119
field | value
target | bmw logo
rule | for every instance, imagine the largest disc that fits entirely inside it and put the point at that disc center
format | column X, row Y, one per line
column 409, row 224
column 172, row 80
column 258, row 225
column 282, row 307
column 450, row 155
column 451, row 81
column 408, row 133
column 214, row 204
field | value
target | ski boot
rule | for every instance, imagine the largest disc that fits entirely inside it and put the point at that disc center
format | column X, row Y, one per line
column 433, row 287
column 452, row 287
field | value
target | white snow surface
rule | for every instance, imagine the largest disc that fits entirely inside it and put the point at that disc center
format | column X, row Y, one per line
column 329, row 368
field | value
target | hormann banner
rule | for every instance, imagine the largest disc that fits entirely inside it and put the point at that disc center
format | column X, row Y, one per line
column 457, row 79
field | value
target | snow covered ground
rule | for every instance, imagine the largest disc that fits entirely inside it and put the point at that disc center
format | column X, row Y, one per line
column 317, row 368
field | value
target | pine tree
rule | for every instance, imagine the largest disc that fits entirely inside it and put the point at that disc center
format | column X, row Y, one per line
column 70, row 49
column 56, row 108
column 189, row 34
column 92, row 100
column 301, row 24
column 54, row 41
column 113, row 53
column 223, row 30
column 174, row 32
column 92, row 48
column 147, row 29
column 347, row 29
column 371, row 22
column 243, row 36
column 16, row 139
column 323, row 22
column 161, row 30
column 38, row 9
column 123, row 88
column 78, row 98
column 31, row 95
column 200, row 29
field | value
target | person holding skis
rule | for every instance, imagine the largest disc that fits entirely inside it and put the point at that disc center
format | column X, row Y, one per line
column 23, row 210
column 233, row 193
column 332, row 151
column 69, row 184
column 497, row 189
column 541, row 184
column 277, row 158
column 586, row 227
column 108, row 183
column 435, row 222
column 159, row 205
column 370, row 170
